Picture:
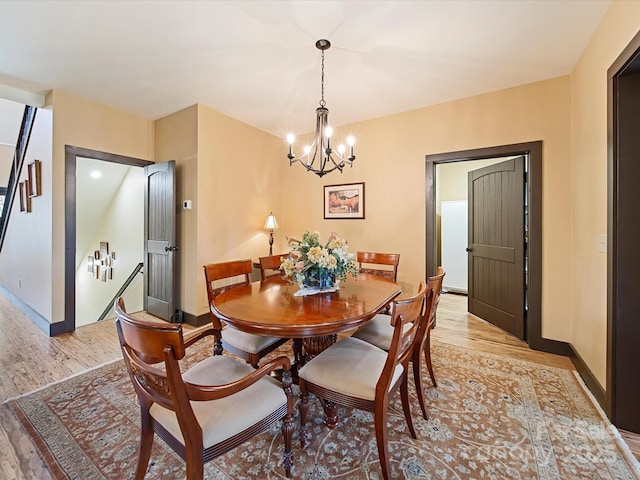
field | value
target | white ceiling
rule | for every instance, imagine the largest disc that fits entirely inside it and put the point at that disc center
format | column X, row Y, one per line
column 256, row 61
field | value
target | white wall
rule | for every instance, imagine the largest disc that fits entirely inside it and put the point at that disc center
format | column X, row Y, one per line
column 26, row 259
column 123, row 228
column 6, row 160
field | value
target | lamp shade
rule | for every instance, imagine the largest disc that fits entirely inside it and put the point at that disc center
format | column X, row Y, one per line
column 271, row 223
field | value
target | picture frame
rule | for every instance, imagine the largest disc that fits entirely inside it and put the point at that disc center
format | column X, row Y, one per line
column 23, row 206
column 25, row 200
column 344, row 201
column 34, row 179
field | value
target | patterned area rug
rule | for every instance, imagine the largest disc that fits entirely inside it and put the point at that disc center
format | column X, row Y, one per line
column 490, row 418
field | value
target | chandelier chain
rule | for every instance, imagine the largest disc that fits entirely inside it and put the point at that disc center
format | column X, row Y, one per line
column 322, row 102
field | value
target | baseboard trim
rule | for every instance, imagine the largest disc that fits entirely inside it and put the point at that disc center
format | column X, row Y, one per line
column 196, row 320
column 588, row 377
column 551, row 346
column 51, row 329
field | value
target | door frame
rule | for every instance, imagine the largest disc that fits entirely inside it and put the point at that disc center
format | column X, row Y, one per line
column 71, row 154
column 621, row 65
column 533, row 153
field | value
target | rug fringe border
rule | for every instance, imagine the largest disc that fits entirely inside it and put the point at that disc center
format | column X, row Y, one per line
column 625, row 451
column 74, row 375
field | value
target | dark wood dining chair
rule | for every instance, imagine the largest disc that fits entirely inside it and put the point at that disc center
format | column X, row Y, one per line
column 270, row 265
column 211, row 408
column 379, row 333
column 382, row 264
column 247, row 346
column 357, row 374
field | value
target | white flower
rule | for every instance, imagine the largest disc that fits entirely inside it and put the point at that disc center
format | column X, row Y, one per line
column 309, row 254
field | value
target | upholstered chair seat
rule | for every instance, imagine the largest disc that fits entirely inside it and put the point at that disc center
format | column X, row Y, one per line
column 377, row 331
column 219, row 418
column 351, row 367
column 204, row 410
column 247, row 346
column 247, row 342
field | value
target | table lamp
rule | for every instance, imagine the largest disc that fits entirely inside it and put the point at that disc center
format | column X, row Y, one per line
column 271, row 224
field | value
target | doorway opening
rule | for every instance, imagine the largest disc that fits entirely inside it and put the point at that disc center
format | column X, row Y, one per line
column 482, row 234
column 72, row 154
column 623, row 229
column 533, row 153
column 109, row 238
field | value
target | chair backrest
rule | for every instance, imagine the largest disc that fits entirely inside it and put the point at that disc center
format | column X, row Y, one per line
column 238, row 270
column 225, row 270
column 372, row 258
column 435, row 284
column 406, row 320
column 270, row 265
column 144, row 345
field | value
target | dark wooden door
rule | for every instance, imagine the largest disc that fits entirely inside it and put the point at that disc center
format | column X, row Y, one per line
column 160, row 240
column 624, row 335
column 496, row 286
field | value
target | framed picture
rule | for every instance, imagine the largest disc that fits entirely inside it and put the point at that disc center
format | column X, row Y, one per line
column 344, row 201
column 25, row 200
column 33, row 177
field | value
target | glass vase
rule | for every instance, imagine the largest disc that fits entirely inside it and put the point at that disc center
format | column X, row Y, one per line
column 319, row 278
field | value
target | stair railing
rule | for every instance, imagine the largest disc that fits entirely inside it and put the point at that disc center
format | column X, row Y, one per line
column 16, row 168
column 124, row 286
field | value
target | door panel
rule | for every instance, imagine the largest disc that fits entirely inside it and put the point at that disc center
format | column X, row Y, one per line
column 496, row 245
column 626, row 369
column 160, row 240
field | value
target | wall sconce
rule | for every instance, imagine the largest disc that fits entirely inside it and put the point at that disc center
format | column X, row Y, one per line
column 271, row 224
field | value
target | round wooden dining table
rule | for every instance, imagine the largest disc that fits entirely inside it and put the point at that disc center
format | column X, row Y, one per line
column 271, row 308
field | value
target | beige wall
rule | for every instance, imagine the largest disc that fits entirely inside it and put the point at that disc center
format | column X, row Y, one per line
column 176, row 138
column 391, row 161
column 222, row 168
column 87, row 124
column 238, row 185
column 589, row 183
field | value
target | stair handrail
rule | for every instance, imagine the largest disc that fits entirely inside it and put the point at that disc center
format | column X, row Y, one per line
column 16, row 168
column 124, row 286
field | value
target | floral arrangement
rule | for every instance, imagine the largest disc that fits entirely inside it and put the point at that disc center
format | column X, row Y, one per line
column 308, row 256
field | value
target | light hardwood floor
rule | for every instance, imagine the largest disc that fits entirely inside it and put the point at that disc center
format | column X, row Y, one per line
column 29, row 359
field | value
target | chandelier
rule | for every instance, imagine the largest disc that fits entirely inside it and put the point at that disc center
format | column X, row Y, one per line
column 319, row 157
